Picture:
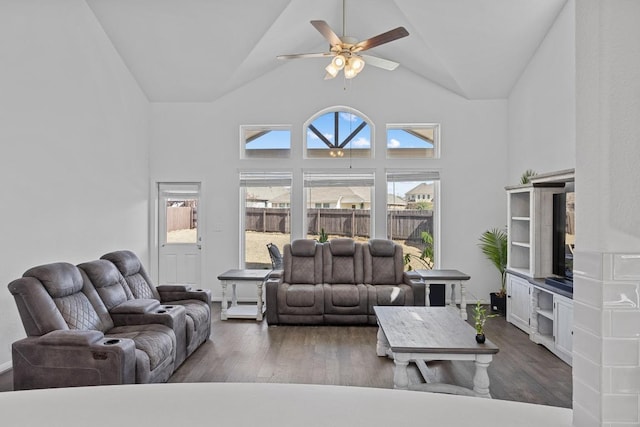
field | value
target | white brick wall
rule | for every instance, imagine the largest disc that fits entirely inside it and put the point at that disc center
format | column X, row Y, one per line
column 606, row 358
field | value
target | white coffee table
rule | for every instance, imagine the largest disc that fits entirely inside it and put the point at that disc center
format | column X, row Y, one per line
column 423, row 334
column 242, row 276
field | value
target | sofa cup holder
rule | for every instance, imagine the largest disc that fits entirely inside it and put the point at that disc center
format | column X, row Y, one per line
column 167, row 307
column 161, row 311
column 111, row 341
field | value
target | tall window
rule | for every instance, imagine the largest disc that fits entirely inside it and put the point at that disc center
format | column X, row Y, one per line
column 265, row 141
column 338, row 203
column 411, row 141
column 266, row 207
column 341, row 133
column 412, row 214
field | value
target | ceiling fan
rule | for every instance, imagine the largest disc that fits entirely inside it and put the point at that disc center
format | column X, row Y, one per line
column 346, row 51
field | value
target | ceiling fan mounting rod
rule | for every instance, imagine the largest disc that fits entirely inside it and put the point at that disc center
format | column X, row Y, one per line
column 344, row 18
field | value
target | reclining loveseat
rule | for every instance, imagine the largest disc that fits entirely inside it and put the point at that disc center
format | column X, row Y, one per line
column 339, row 282
column 85, row 327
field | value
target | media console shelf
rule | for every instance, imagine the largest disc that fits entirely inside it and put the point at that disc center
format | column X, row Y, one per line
column 541, row 310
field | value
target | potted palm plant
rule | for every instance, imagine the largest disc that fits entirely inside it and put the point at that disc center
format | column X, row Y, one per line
column 493, row 244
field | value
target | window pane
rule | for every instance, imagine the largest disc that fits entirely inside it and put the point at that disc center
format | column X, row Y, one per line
column 266, row 142
column 410, row 218
column 338, row 134
column 339, row 204
column 267, row 206
column 412, row 141
column 182, row 218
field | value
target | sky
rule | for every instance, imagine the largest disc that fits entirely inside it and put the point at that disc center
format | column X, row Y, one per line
column 396, row 137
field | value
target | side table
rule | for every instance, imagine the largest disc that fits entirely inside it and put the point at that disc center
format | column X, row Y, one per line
column 244, row 311
column 448, row 277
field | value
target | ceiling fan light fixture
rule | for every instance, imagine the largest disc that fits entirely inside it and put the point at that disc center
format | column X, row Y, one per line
column 339, row 61
column 332, row 71
column 350, row 72
column 356, row 63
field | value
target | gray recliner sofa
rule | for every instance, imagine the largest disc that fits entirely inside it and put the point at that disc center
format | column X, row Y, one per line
column 339, row 282
column 72, row 340
column 195, row 302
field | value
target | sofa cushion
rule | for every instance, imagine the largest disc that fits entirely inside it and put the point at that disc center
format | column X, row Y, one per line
column 127, row 262
column 156, row 341
column 60, row 279
column 107, row 281
column 303, row 271
column 383, row 271
column 139, row 287
column 344, row 295
column 79, row 313
column 342, row 270
column 301, row 296
column 342, row 247
column 382, row 248
column 389, row 295
column 303, row 247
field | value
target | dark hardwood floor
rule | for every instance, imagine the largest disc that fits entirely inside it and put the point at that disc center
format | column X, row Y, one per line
column 248, row 351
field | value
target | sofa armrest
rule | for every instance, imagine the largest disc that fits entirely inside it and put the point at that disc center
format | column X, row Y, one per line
column 183, row 292
column 72, row 338
column 136, row 306
column 272, row 285
column 417, row 284
column 172, row 316
column 276, row 274
column 72, row 358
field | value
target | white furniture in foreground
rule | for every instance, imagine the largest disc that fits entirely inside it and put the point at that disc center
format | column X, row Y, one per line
column 281, row 405
column 423, row 334
column 244, row 311
column 447, row 277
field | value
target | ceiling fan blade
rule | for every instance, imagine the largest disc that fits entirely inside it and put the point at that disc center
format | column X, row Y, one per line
column 389, row 36
column 327, row 32
column 380, row 62
column 305, row 55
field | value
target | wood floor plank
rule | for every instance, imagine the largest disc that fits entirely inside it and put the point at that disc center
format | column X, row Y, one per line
column 250, row 351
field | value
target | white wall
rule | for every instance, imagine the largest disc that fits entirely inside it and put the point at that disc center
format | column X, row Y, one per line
column 201, row 142
column 73, row 144
column 606, row 385
column 542, row 131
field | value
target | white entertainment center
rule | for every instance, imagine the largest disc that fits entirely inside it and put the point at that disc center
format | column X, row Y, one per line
column 542, row 310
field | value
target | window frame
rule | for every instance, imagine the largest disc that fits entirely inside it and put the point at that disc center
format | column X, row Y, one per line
column 276, row 177
column 404, row 126
column 270, row 153
column 426, row 175
column 347, row 153
column 356, row 175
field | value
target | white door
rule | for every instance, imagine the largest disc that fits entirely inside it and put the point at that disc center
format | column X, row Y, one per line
column 180, row 242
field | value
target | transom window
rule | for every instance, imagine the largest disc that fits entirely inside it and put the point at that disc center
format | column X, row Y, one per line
column 340, row 133
column 265, row 141
column 410, row 141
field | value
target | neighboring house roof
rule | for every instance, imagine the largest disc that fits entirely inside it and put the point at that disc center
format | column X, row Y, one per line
column 393, row 200
column 333, row 195
column 265, row 193
column 423, row 188
column 344, row 195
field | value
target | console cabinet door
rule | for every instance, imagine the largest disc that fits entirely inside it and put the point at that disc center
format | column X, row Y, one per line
column 563, row 331
column 518, row 302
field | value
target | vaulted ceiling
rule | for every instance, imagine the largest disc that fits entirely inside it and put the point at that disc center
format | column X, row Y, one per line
column 198, row 50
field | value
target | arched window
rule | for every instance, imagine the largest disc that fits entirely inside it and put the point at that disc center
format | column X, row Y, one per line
column 339, row 132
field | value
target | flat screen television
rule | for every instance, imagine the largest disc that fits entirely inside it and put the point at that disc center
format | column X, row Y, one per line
column 563, row 237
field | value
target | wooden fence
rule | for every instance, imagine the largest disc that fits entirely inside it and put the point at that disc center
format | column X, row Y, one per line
column 180, row 218
column 403, row 224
